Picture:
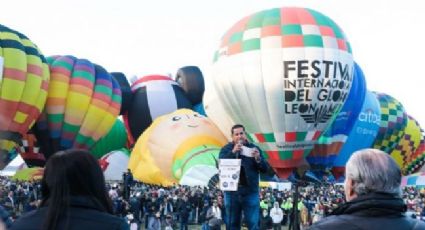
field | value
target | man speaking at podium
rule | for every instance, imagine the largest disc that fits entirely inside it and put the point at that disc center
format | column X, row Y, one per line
column 246, row 198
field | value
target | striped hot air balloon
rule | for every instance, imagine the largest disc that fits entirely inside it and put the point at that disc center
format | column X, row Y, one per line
column 24, row 79
column 83, row 103
column 284, row 73
column 115, row 139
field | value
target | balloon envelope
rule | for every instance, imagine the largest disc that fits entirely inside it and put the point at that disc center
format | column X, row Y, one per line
column 284, row 74
column 114, row 164
column 83, row 103
column 115, row 139
column 393, row 122
column 153, row 96
column 331, row 141
column 404, row 152
column 180, row 147
column 24, row 79
column 363, row 133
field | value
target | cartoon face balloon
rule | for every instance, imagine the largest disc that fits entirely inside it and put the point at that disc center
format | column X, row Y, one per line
column 284, row 74
column 181, row 147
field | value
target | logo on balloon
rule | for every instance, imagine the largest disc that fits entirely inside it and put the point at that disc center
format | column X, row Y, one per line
column 315, row 89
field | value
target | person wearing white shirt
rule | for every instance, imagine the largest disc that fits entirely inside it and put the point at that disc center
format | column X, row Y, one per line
column 276, row 214
column 214, row 217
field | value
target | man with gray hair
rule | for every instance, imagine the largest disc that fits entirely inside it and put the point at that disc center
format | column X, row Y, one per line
column 372, row 190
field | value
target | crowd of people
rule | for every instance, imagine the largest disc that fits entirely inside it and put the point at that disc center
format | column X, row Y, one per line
column 151, row 206
column 73, row 194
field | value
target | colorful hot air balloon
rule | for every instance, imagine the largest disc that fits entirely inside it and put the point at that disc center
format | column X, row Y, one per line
column 82, row 105
column 363, row 132
column 24, row 79
column 180, row 147
column 29, row 150
column 393, row 122
column 331, row 141
column 418, row 159
column 115, row 139
column 153, row 96
column 404, row 151
column 283, row 73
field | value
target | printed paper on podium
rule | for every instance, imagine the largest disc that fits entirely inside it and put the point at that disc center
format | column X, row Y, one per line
column 229, row 171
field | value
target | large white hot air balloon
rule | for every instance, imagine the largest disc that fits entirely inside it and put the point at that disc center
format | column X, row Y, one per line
column 284, row 73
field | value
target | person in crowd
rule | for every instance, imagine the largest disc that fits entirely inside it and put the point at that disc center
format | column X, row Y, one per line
column 246, row 199
column 373, row 194
column 155, row 223
column 203, row 215
column 128, row 182
column 9, row 203
column 5, row 218
column 276, row 213
column 73, row 196
column 266, row 222
column 169, row 223
column 184, row 209
column 166, row 208
column 214, row 217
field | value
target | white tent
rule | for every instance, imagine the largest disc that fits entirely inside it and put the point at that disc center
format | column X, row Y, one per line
column 15, row 165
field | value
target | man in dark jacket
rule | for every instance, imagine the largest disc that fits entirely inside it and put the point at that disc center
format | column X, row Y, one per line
column 372, row 190
column 246, row 198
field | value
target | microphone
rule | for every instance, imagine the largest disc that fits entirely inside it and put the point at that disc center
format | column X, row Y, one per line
column 240, row 142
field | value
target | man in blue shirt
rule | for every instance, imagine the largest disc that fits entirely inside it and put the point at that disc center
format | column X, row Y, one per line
column 246, row 198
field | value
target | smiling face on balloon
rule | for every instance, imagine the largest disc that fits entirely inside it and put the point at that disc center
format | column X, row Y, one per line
column 176, row 135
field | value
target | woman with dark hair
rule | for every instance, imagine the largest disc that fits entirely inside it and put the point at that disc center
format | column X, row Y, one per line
column 74, row 196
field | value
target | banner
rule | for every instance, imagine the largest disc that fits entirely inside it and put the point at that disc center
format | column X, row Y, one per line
column 229, row 171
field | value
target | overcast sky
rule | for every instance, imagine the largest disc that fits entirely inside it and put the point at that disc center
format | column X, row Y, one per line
column 140, row 37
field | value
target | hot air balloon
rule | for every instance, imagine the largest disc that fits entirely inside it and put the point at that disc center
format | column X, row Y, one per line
column 283, row 73
column 418, row 159
column 331, row 141
column 363, row 132
column 393, row 122
column 404, row 151
column 24, row 79
column 29, row 150
column 115, row 139
column 83, row 103
column 114, row 164
column 153, row 96
column 180, row 147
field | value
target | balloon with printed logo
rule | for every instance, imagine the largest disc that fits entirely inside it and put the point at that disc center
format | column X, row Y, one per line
column 153, row 96
column 404, row 151
column 362, row 134
column 114, row 164
column 331, row 141
column 24, row 79
column 179, row 147
column 83, row 103
column 393, row 121
column 284, row 73
column 115, row 139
